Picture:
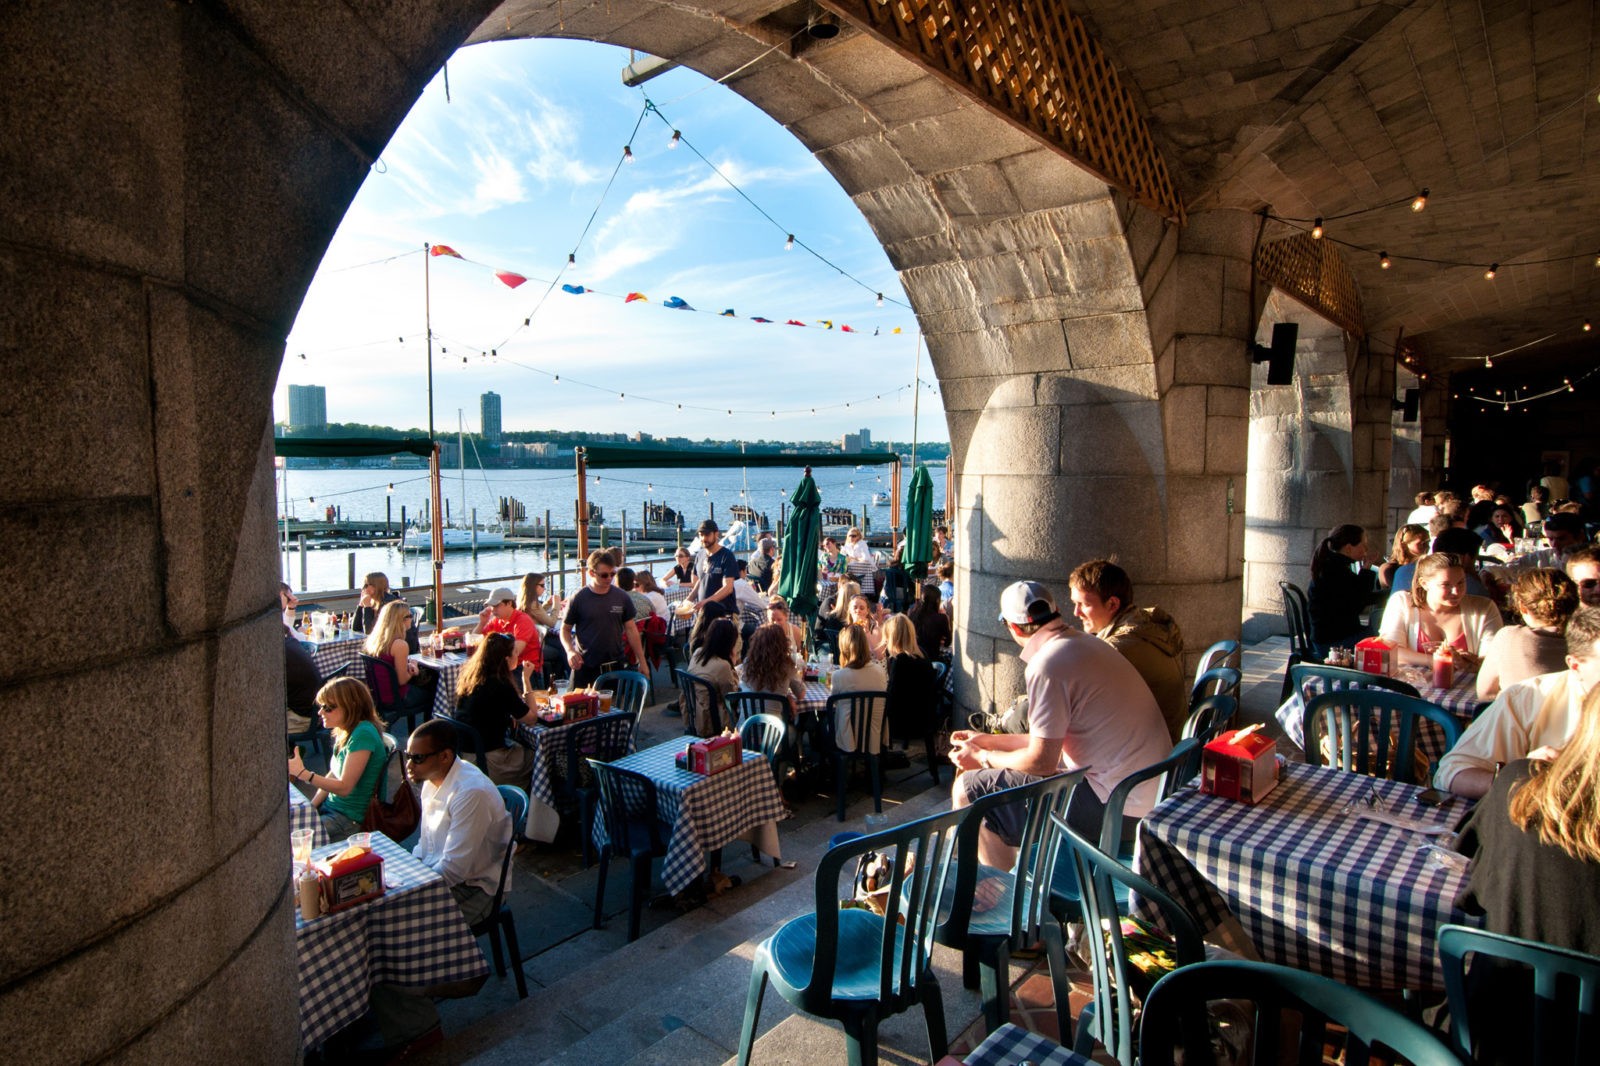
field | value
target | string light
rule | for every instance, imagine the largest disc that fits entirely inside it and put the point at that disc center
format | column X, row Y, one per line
column 1488, row 275
column 1586, row 326
column 627, row 153
column 391, row 488
column 1316, row 229
column 572, row 260
column 676, row 139
column 1384, row 261
column 1421, row 201
column 788, row 245
column 1488, row 362
column 880, row 304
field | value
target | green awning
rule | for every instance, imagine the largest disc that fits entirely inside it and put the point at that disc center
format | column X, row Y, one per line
column 614, row 458
column 349, row 447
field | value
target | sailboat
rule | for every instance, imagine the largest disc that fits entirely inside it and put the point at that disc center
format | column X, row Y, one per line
column 461, row 537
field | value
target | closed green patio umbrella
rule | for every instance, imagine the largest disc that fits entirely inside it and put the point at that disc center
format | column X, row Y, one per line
column 798, row 582
column 919, row 524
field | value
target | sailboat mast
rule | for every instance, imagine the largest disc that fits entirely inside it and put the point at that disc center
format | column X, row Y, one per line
column 461, row 446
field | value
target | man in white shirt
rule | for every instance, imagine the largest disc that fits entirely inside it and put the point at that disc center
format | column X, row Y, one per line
column 1532, row 719
column 463, row 836
column 1425, row 510
column 1087, row 707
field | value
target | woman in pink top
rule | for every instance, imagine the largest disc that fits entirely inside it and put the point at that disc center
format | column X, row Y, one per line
column 1437, row 610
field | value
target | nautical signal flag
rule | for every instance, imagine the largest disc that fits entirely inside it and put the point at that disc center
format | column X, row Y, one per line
column 758, row 318
column 511, row 280
column 729, row 313
column 677, row 303
column 443, row 249
column 576, row 290
column 632, row 296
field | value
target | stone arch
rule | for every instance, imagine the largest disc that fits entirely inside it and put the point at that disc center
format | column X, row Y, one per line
column 174, row 173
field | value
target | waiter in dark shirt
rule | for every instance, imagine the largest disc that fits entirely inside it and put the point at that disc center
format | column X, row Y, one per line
column 715, row 568
column 302, row 680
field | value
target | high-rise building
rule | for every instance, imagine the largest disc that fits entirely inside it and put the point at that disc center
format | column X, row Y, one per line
column 489, row 417
column 308, row 407
column 860, row 441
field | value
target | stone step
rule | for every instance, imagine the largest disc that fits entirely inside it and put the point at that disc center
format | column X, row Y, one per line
column 677, row 994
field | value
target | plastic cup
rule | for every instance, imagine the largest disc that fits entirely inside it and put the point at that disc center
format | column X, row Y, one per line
column 300, row 845
column 876, row 822
column 360, row 840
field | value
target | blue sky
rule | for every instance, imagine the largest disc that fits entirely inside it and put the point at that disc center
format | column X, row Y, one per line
column 510, row 170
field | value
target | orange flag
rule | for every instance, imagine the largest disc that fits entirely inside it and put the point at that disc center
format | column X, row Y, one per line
column 632, row 296
column 443, row 249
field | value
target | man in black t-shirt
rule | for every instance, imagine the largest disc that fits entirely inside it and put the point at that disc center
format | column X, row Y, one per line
column 599, row 624
column 715, row 569
column 302, row 681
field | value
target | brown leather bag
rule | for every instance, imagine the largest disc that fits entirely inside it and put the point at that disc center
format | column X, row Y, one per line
column 397, row 817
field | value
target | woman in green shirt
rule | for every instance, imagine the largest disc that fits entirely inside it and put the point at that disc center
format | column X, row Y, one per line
column 346, row 708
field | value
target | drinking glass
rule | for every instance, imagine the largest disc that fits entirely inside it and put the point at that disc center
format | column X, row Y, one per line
column 300, row 844
column 360, row 840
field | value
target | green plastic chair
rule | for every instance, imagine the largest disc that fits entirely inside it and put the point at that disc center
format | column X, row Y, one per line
column 629, row 690
column 1359, row 722
column 633, row 832
column 772, row 737
column 853, row 965
column 697, row 697
column 1222, row 653
column 1297, row 613
column 1109, row 1016
column 1334, row 678
column 1207, row 721
column 743, row 705
column 1175, row 1016
column 1018, row 918
column 499, row 921
column 1564, row 988
column 864, row 709
column 1217, row 681
column 1064, row 891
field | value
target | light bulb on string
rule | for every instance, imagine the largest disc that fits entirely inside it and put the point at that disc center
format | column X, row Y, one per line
column 313, row 499
column 621, row 396
column 572, row 259
column 1316, row 229
column 706, row 491
column 880, row 300
column 788, row 245
column 1568, row 383
column 676, row 137
column 1488, row 363
column 1384, row 261
column 1586, row 326
column 650, row 487
column 391, row 488
column 556, row 380
column 1421, row 201
column 627, row 153
column 1494, row 268
column 852, row 485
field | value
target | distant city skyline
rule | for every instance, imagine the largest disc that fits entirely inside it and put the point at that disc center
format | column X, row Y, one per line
column 507, row 173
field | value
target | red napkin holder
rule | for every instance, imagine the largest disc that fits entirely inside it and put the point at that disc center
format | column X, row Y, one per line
column 577, row 706
column 1374, row 655
column 1239, row 767
column 715, row 755
column 347, row 882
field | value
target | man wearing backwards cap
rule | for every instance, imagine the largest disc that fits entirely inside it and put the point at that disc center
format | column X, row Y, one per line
column 715, row 569
column 1087, row 707
column 500, row 615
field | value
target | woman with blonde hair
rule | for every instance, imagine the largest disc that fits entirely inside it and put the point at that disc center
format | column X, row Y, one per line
column 1410, row 544
column 359, row 753
column 913, row 685
column 1545, row 598
column 387, row 641
column 1436, row 611
column 1535, row 841
column 375, row 592
column 858, row 673
column 834, row 617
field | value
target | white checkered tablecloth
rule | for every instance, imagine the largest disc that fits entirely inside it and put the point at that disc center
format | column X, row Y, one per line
column 1315, row 888
column 1460, row 699
column 302, row 815
column 1011, row 1044
column 414, row 935
column 704, row 812
column 331, row 655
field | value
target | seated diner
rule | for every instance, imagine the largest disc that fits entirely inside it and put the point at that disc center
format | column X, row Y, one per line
column 360, row 753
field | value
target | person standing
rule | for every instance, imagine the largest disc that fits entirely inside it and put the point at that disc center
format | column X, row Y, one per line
column 599, row 629
column 715, row 569
column 1087, row 707
column 762, row 562
column 463, row 836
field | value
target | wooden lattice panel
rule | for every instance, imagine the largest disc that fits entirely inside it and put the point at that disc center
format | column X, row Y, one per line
column 1035, row 63
column 1314, row 273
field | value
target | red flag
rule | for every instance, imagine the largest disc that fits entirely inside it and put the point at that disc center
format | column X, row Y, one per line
column 632, row 296
column 794, row 322
column 511, row 280
column 846, row 329
column 443, row 249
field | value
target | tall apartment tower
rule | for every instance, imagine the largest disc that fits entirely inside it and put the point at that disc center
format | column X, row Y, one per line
column 489, row 417
column 308, row 407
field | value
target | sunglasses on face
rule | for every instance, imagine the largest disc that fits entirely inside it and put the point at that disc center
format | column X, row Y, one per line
column 604, row 575
column 419, row 756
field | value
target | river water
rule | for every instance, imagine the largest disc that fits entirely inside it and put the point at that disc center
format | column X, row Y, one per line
column 363, row 495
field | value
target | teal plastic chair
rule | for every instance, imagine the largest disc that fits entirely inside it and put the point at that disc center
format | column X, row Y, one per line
column 1018, row 917
column 743, row 705
column 855, row 966
column 629, row 690
column 1222, row 653
column 772, row 737
column 499, row 921
column 1217, row 681
column 1207, row 720
column 1297, row 613
column 698, row 697
column 1336, row 678
column 1109, row 1016
column 1564, row 986
column 1064, row 892
column 863, row 709
column 605, row 738
column 1373, row 731
column 1175, row 1016
column 633, row 832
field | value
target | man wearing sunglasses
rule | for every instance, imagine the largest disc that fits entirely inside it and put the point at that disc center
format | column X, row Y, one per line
column 1583, row 567
column 598, row 630
column 462, row 837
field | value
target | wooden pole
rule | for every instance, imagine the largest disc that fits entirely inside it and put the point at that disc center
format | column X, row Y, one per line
column 547, row 538
column 581, row 454
column 438, row 539
column 894, row 504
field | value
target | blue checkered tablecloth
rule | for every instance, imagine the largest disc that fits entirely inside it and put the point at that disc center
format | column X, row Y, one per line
column 815, row 699
column 866, row 575
column 414, row 935
column 675, row 595
column 549, row 744
column 1460, row 699
column 1315, row 888
column 302, row 815
column 704, row 812
column 335, row 653
column 448, row 667
column 1011, row 1044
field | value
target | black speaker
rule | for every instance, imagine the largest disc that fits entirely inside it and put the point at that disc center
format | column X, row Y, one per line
column 1413, row 402
column 1280, row 357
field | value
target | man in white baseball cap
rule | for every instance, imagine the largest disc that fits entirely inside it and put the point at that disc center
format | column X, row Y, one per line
column 1087, row 707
